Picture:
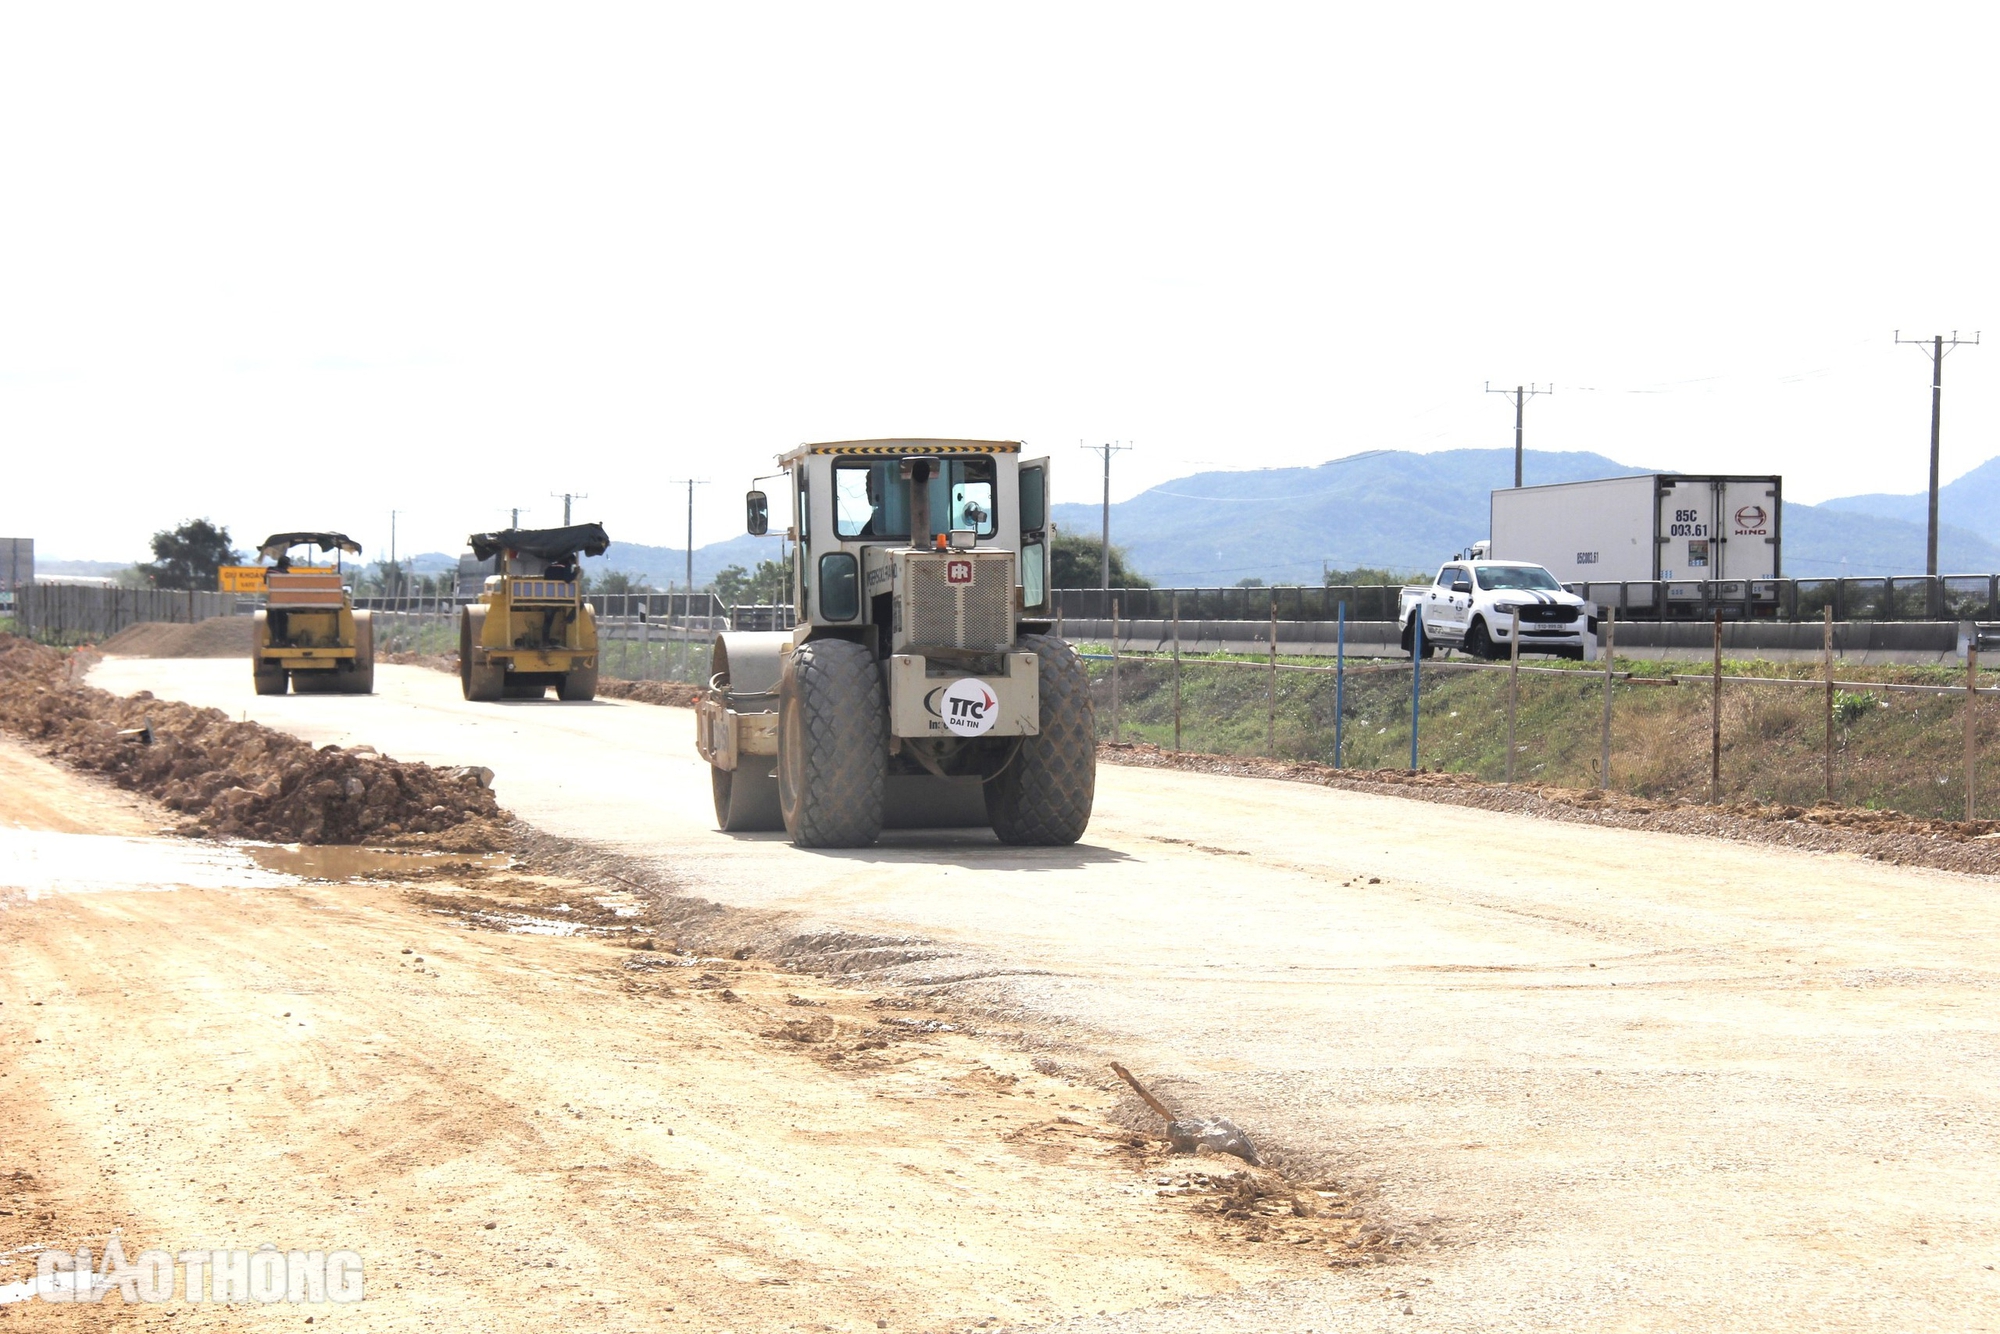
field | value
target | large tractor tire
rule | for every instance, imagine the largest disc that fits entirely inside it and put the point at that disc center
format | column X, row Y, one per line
column 360, row 680
column 268, row 679
column 478, row 679
column 578, row 684
column 833, row 745
column 746, row 797
column 1043, row 797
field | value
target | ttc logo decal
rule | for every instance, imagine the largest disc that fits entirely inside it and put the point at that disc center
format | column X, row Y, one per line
column 965, row 707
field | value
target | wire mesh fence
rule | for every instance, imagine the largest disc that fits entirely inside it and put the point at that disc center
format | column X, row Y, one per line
column 1900, row 742
column 88, row 613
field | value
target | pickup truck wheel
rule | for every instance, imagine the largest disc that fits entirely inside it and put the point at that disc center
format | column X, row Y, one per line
column 1478, row 643
column 1044, row 796
column 833, row 745
column 1409, row 636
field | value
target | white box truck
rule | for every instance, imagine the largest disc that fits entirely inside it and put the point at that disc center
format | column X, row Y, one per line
column 1655, row 526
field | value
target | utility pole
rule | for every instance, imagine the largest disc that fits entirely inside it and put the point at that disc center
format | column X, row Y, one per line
column 397, row 576
column 566, row 497
column 1107, row 450
column 1935, row 348
column 1521, row 396
column 514, row 521
column 691, row 483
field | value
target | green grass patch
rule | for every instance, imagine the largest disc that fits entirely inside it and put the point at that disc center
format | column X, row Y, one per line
column 1894, row 750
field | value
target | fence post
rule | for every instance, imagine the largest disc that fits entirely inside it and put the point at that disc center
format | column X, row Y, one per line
column 1115, row 737
column 1513, row 690
column 1271, row 703
column 1177, row 671
column 1826, row 664
column 1610, row 646
column 1416, row 677
column 1715, row 720
column 1971, row 710
column 1339, row 684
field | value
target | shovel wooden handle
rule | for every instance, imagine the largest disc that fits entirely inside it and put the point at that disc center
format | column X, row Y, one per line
column 1140, row 1089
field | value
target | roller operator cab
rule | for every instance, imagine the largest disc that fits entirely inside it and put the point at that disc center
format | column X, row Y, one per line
column 922, row 686
column 308, row 634
column 531, row 628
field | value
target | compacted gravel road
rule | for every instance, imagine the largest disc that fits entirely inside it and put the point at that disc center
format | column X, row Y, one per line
column 1590, row 1078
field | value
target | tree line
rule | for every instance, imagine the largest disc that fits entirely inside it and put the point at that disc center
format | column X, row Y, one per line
column 188, row 557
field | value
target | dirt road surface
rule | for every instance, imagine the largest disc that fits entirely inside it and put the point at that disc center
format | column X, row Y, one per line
column 1595, row 1078
column 208, row 1047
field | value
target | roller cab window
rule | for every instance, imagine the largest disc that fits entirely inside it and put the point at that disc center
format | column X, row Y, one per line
column 871, row 501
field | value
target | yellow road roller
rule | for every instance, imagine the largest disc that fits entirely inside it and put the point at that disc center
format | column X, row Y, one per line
column 308, row 633
column 531, row 628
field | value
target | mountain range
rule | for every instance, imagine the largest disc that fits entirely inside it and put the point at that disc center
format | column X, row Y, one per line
column 1404, row 511
column 1382, row 508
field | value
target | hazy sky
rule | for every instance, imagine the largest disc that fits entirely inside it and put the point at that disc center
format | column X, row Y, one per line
column 288, row 266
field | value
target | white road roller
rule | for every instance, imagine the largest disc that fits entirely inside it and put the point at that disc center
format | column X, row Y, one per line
column 922, row 685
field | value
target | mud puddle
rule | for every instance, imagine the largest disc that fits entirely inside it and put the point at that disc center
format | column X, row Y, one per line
column 340, row 861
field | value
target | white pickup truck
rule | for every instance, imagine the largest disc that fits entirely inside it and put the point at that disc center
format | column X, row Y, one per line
column 1472, row 606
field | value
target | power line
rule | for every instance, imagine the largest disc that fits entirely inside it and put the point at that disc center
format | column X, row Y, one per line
column 691, row 483
column 1107, row 450
column 1936, row 348
column 1521, row 396
column 394, row 578
column 566, row 497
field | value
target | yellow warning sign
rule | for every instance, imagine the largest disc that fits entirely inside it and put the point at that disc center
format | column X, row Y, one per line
column 250, row 578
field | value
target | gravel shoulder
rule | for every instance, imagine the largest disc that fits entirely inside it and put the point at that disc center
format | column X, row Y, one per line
column 1970, row 847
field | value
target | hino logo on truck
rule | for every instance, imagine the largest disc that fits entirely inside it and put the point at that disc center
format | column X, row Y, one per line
column 1750, row 520
column 965, row 707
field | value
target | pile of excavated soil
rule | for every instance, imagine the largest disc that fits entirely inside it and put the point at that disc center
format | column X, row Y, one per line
column 1968, row 846
column 678, row 694
column 239, row 780
column 216, row 637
